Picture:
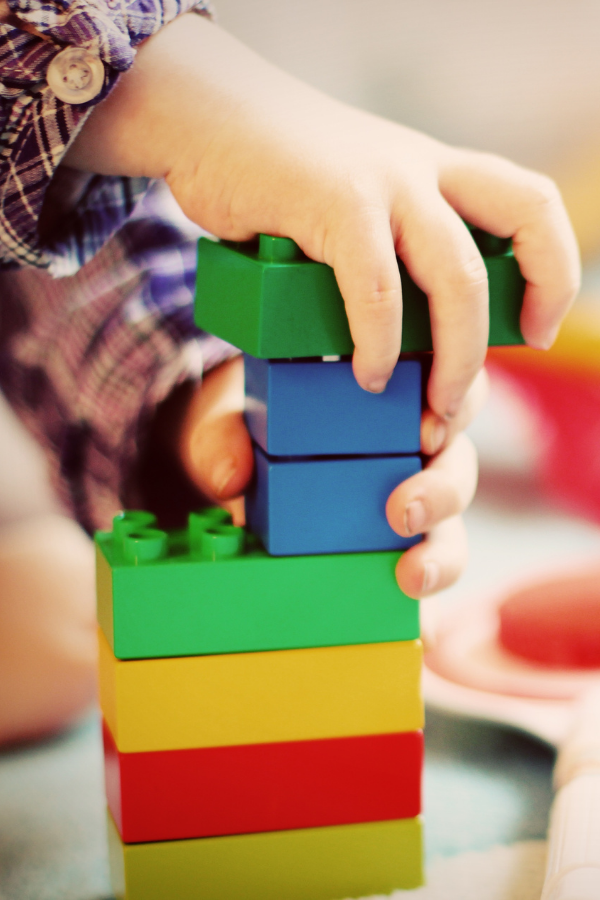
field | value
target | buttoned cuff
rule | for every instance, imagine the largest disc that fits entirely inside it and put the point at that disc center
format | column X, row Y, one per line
column 57, row 61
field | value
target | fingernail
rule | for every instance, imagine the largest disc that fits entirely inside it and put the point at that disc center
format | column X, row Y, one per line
column 377, row 386
column 222, row 474
column 437, row 437
column 414, row 517
column 431, row 577
column 452, row 409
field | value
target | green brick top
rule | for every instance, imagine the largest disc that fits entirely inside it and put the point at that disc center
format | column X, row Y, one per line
column 270, row 300
column 213, row 589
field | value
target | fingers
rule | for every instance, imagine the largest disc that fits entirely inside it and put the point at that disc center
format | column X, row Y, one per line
column 437, row 432
column 214, row 445
column 509, row 201
column 431, row 502
column 368, row 277
column 443, row 260
column 436, row 563
column 441, row 490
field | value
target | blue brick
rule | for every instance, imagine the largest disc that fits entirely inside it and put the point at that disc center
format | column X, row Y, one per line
column 313, row 408
column 326, row 505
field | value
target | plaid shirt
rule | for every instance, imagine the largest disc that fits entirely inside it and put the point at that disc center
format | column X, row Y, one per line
column 37, row 127
column 97, row 318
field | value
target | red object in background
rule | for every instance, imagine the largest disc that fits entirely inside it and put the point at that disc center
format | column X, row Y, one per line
column 566, row 404
column 171, row 794
column 555, row 623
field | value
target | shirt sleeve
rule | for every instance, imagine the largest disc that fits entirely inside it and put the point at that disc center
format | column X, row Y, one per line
column 85, row 360
column 36, row 127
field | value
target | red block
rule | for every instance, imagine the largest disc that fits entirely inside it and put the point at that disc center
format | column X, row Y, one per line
column 169, row 794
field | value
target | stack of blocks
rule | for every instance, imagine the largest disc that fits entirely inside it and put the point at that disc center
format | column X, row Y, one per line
column 260, row 686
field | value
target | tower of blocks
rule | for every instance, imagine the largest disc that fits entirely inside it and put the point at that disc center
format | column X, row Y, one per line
column 260, row 686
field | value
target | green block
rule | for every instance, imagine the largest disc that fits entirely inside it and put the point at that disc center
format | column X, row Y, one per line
column 191, row 599
column 268, row 299
column 309, row 864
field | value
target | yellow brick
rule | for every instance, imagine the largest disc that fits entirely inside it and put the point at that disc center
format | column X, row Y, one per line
column 254, row 698
column 309, row 864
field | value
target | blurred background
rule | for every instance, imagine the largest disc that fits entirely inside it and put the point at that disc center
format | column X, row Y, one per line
column 519, row 78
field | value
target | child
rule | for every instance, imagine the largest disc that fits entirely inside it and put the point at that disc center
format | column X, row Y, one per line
column 244, row 148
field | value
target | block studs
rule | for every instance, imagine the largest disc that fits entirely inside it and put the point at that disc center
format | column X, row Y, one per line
column 199, row 522
column 132, row 520
column 277, row 249
column 222, row 542
column 144, row 545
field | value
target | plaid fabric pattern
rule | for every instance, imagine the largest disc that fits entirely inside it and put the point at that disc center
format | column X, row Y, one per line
column 36, row 128
column 91, row 355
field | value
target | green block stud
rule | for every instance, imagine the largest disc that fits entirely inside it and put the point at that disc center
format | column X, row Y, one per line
column 270, row 300
column 309, row 864
column 213, row 589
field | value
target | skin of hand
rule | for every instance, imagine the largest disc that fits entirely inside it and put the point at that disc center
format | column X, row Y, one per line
column 48, row 638
column 247, row 148
column 217, row 455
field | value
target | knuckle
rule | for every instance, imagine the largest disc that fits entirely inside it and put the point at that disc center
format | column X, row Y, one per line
column 545, row 195
column 381, row 306
column 385, row 299
column 466, row 276
column 473, row 275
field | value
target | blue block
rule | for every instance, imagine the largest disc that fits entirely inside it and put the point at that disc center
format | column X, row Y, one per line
column 326, row 505
column 314, row 408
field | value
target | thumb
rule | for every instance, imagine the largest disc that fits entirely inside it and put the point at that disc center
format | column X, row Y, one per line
column 214, row 446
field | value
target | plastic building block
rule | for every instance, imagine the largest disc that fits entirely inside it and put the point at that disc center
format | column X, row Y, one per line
column 308, row 864
column 327, row 504
column 260, row 698
column 308, row 408
column 263, row 787
column 268, row 299
column 183, row 604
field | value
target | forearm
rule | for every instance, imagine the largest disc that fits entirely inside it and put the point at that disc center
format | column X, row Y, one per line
column 220, row 124
column 187, row 83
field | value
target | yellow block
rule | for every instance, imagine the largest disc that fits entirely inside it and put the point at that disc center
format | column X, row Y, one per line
column 309, row 864
column 256, row 698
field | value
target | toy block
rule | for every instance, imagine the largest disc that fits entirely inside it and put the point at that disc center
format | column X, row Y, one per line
column 306, row 864
column 315, row 408
column 184, row 603
column 327, row 504
column 174, row 794
column 270, row 300
column 260, row 698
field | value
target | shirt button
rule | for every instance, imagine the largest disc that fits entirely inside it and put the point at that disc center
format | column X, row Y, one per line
column 75, row 75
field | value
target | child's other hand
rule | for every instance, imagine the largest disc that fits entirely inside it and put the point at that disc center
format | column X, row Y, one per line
column 432, row 501
column 213, row 444
column 216, row 452
column 247, row 148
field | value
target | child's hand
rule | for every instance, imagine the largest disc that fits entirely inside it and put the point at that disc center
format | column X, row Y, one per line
column 246, row 148
column 216, row 453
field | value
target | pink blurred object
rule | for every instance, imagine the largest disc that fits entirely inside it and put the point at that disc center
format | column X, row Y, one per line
column 562, row 389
